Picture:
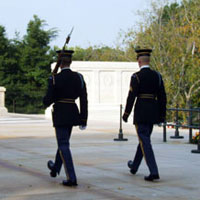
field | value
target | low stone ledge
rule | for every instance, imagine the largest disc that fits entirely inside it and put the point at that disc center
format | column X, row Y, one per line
column 3, row 109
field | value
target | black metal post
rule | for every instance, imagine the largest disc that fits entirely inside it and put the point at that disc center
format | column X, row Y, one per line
column 164, row 132
column 176, row 136
column 198, row 145
column 120, row 135
column 190, row 123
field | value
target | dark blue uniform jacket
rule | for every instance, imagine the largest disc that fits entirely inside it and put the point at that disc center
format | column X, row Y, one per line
column 63, row 89
column 147, row 88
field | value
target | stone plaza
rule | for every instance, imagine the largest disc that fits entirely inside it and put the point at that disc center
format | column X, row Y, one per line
column 27, row 142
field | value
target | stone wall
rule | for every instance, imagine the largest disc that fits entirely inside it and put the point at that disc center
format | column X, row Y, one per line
column 3, row 110
column 107, row 82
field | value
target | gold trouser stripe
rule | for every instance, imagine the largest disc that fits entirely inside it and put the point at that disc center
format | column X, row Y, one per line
column 66, row 171
column 63, row 160
column 140, row 141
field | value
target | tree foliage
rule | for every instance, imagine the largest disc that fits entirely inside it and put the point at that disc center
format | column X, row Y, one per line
column 173, row 31
column 10, row 72
column 99, row 53
column 25, row 65
column 35, row 63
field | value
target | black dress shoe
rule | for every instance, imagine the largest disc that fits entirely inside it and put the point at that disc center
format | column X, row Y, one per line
column 151, row 177
column 50, row 165
column 132, row 171
column 130, row 165
column 69, row 183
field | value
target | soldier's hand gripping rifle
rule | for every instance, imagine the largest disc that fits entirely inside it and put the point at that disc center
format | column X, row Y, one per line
column 63, row 49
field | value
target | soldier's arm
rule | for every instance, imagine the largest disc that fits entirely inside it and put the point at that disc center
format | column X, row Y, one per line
column 49, row 97
column 133, row 91
column 83, row 102
column 162, row 100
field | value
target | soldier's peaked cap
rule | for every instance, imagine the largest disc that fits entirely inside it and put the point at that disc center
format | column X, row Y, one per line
column 143, row 52
column 65, row 53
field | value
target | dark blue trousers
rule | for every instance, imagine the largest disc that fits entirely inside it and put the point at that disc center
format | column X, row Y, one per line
column 63, row 155
column 145, row 148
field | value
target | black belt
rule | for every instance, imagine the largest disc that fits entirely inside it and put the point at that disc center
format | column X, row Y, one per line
column 147, row 96
column 66, row 100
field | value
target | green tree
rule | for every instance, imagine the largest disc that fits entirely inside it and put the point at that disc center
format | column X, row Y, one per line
column 4, row 43
column 173, row 31
column 35, row 60
column 10, row 72
column 99, row 53
column 25, row 66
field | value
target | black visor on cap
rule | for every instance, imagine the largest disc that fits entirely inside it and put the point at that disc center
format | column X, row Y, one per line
column 143, row 52
column 65, row 53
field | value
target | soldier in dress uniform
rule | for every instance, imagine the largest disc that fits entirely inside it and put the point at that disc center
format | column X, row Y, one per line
column 147, row 88
column 63, row 89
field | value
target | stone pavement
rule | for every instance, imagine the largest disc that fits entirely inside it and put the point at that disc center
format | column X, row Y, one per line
column 28, row 142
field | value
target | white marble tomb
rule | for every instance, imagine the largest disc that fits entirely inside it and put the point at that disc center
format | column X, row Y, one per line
column 107, row 82
column 3, row 109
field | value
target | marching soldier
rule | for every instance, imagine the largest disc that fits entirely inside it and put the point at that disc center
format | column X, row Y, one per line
column 63, row 89
column 147, row 88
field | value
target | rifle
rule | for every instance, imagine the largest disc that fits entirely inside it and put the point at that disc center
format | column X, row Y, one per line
column 62, row 51
column 67, row 39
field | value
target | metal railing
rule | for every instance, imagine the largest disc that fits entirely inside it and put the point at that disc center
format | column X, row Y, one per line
column 190, row 126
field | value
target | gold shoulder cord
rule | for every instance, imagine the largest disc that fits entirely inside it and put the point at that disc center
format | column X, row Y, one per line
column 131, row 89
column 137, row 78
column 53, row 79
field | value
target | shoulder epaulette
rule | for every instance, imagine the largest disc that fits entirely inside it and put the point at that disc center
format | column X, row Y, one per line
column 159, row 78
column 53, row 78
column 82, row 81
column 136, row 76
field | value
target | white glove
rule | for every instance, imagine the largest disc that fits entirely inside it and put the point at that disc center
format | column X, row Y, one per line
column 82, row 127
